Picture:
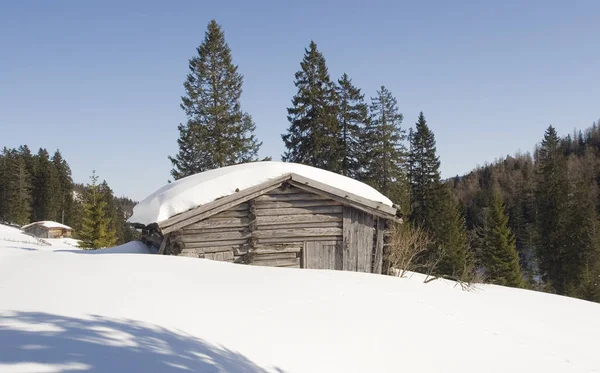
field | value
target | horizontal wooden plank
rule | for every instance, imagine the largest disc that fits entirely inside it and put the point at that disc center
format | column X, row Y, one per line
column 190, row 253
column 333, row 224
column 215, row 243
column 295, row 239
column 300, row 211
column 219, row 236
column 187, row 231
column 274, row 249
column 277, row 262
column 224, row 256
column 231, row 214
column 298, row 232
column 219, row 249
column 300, row 196
column 309, row 218
column 296, row 204
column 262, row 256
column 215, row 222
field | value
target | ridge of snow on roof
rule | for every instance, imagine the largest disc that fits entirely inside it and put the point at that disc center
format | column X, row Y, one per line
column 196, row 190
column 48, row 224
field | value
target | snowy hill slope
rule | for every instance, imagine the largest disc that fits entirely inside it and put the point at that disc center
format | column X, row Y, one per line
column 66, row 310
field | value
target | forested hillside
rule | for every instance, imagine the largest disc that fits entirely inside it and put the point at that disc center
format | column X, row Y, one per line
column 551, row 199
column 35, row 187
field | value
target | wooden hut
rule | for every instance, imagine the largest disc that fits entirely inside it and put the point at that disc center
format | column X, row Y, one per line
column 287, row 221
column 47, row 229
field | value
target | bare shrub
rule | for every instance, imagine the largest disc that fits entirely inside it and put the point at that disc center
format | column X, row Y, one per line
column 405, row 245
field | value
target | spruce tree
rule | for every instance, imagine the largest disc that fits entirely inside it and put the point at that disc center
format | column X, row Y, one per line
column 313, row 137
column 385, row 166
column 16, row 188
column 95, row 229
column 3, row 183
column 46, row 188
column 217, row 133
column 112, row 212
column 447, row 225
column 353, row 116
column 65, row 182
column 551, row 209
column 424, row 174
column 499, row 255
column 581, row 239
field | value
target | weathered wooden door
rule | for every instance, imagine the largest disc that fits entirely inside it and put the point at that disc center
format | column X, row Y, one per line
column 322, row 255
column 358, row 232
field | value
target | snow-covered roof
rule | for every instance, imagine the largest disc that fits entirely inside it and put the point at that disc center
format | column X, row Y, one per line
column 48, row 224
column 196, row 190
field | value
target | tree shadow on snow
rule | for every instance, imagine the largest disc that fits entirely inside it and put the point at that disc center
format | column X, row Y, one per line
column 22, row 248
column 100, row 344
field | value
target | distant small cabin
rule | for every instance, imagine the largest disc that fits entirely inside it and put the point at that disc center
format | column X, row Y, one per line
column 301, row 218
column 48, row 229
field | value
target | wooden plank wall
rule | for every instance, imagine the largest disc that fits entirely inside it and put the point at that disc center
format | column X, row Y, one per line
column 272, row 229
column 292, row 218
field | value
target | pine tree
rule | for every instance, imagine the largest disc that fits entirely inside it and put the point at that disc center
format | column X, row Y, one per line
column 3, row 184
column 112, row 212
column 424, row 173
column 95, row 229
column 313, row 137
column 16, row 188
column 46, row 188
column 218, row 133
column 353, row 116
column 581, row 240
column 385, row 167
column 448, row 228
column 551, row 206
column 65, row 182
column 499, row 255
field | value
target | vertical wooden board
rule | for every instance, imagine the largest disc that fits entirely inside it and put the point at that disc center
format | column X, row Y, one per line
column 311, row 254
column 378, row 260
column 364, row 241
column 339, row 255
column 320, row 254
column 349, row 238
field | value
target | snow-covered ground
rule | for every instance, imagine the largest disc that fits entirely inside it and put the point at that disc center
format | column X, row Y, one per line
column 69, row 310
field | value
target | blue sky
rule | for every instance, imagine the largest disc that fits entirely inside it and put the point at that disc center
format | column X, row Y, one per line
column 102, row 80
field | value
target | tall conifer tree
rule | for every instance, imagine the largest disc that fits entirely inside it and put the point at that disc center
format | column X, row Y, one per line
column 46, row 188
column 499, row 254
column 424, row 174
column 385, row 167
column 313, row 137
column 16, row 191
column 218, row 133
column 65, row 182
column 353, row 116
column 96, row 231
column 551, row 206
column 447, row 226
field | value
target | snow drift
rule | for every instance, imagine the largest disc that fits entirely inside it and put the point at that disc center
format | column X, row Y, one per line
column 204, row 187
column 74, row 311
